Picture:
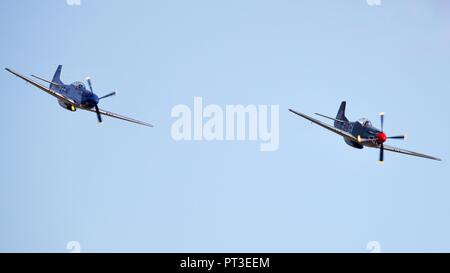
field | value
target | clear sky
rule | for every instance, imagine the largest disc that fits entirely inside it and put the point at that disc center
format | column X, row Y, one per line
column 122, row 187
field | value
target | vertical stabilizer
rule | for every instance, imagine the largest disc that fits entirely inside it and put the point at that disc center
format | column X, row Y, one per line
column 341, row 115
column 57, row 77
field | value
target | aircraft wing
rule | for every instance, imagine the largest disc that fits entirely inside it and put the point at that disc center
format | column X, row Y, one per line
column 406, row 152
column 42, row 87
column 328, row 127
column 114, row 115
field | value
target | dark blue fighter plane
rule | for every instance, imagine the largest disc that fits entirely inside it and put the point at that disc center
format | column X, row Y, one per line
column 75, row 96
column 361, row 133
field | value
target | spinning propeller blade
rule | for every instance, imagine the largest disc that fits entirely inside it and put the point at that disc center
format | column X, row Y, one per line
column 107, row 95
column 88, row 79
column 397, row 137
column 381, row 153
column 99, row 117
column 382, row 121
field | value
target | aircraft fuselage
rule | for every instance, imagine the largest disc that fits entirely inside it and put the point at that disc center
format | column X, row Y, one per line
column 362, row 129
column 76, row 91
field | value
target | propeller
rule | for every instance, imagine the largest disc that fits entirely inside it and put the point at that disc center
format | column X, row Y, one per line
column 97, row 110
column 381, row 138
column 99, row 116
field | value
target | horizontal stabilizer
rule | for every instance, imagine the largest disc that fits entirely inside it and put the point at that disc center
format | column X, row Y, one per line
column 338, row 120
column 47, row 81
column 338, row 131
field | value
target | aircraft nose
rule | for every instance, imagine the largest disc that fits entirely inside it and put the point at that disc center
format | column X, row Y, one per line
column 381, row 137
column 94, row 99
column 90, row 101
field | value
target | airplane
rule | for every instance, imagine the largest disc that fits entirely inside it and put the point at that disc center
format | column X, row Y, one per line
column 362, row 133
column 75, row 96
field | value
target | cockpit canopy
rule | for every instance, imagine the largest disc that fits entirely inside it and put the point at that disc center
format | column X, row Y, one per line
column 79, row 85
column 365, row 122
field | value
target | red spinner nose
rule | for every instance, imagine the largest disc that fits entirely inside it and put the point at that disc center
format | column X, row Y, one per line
column 381, row 137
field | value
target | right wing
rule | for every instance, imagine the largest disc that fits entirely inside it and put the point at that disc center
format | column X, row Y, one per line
column 43, row 88
column 406, row 152
column 114, row 115
column 340, row 132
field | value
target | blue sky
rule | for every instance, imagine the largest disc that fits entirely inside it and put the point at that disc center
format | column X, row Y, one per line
column 121, row 187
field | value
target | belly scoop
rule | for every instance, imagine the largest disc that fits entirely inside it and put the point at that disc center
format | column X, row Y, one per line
column 66, row 106
column 353, row 144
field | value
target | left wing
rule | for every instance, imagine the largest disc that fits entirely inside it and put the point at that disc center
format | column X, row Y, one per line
column 43, row 88
column 114, row 115
column 406, row 152
column 343, row 133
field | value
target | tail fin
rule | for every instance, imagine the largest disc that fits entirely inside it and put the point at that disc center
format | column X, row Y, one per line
column 341, row 115
column 57, row 77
